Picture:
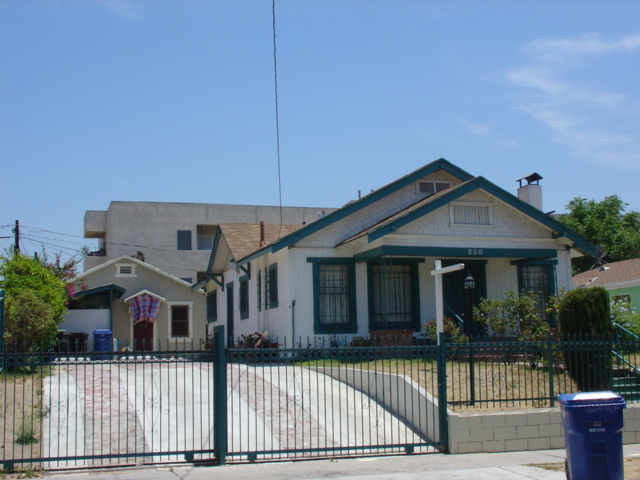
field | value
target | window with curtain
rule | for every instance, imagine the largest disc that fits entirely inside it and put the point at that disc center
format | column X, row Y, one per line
column 333, row 294
column 393, row 296
column 534, row 280
column 471, row 214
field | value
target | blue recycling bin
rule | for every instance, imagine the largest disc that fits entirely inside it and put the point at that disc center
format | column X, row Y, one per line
column 592, row 423
column 102, row 340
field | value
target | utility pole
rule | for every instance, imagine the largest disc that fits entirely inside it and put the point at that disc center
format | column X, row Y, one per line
column 16, row 231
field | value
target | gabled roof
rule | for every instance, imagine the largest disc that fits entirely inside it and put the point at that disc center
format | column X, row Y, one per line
column 444, row 197
column 126, row 258
column 243, row 239
column 369, row 199
column 407, row 215
column 625, row 271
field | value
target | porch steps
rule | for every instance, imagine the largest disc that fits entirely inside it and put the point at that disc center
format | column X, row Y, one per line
column 627, row 387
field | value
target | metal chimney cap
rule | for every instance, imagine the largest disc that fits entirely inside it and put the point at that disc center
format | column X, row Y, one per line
column 531, row 178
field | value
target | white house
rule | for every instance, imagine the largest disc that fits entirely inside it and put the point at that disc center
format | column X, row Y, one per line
column 366, row 267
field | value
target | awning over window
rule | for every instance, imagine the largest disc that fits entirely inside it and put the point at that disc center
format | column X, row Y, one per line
column 144, row 306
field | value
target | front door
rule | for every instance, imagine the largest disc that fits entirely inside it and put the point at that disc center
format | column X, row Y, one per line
column 143, row 336
column 230, row 334
column 456, row 300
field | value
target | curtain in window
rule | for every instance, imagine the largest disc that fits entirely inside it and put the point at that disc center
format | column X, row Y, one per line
column 333, row 290
column 471, row 215
column 393, row 294
column 535, row 282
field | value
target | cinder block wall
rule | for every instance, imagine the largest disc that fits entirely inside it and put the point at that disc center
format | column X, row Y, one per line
column 539, row 429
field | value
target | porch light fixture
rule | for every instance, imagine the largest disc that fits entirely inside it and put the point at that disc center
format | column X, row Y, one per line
column 469, row 282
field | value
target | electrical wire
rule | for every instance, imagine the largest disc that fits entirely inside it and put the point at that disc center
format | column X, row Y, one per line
column 275, row 82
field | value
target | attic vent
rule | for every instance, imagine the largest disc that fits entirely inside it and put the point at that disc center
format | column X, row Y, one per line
column 471, row 213
column 429, row 187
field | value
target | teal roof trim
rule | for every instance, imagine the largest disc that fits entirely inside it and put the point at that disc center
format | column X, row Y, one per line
column 112, row 289
column 509, row 199
column 367, row 200
column 214, row 249
column 456, row 252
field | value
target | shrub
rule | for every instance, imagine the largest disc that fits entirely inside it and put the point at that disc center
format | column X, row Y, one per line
column 29, row 321
column 453, row 332
column 584, row 314
column 514, row 316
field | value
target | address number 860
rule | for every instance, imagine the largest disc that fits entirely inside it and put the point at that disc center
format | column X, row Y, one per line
column 474, row 252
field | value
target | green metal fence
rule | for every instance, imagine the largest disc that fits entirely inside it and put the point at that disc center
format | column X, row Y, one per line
column 316, row 398
column 61, row 410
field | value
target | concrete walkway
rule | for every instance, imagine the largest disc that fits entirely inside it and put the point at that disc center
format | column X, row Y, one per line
column 106, row 408
column 476, row 466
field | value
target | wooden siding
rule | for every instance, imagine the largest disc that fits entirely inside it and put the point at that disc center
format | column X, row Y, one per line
column 153, row 281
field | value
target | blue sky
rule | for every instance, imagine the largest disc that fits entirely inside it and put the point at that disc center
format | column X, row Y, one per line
column 173, row 101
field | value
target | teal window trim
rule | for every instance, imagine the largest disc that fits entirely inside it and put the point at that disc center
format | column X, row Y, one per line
column 259, row 290
column 272, row 286
column 212, row 306
column 551, row 282
column 328, row 328
column 243, row 303
column 414, row 324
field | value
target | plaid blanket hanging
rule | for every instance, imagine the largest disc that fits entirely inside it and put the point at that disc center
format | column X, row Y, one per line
column 144, row 308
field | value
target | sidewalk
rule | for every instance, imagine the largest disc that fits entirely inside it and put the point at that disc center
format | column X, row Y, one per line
column 476, row 466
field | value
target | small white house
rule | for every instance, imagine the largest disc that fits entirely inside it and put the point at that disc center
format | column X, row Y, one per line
column 144, row 307
column 366, row 267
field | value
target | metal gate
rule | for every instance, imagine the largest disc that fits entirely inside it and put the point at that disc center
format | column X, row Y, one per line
column 78, row 409
column 249, row 403
column 325, row 400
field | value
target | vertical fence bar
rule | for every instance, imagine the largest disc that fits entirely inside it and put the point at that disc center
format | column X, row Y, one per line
column 552, row 399
column 219, row 395
column 442, row 393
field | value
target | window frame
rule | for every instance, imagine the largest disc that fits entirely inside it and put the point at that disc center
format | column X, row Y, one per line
column 243, row 297
column 121, row 266
column 488, row 205
column 189, row 306
column 184, row 237
column 548, row 267
column 331, row 328
column 414, row 277
column 271, row 300
column 434, row 183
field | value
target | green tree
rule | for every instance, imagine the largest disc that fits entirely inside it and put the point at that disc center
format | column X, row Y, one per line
column 29, row 320
column 604, row 223
column 513, row 316
column 22, row 274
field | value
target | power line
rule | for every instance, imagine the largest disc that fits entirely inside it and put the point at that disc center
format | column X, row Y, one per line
column 275, row 82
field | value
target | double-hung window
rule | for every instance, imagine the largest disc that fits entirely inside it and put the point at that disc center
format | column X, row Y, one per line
column 244, row 297
column 393, row 295
column 334, row 296
column 272, row 286
column 180, row 319
column 537, row 281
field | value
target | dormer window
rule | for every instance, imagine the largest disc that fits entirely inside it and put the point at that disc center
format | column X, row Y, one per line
column 430, row 187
